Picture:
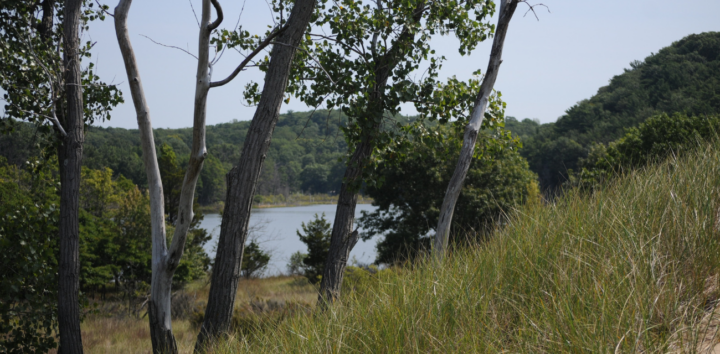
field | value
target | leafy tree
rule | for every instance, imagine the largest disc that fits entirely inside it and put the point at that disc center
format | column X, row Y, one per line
column 316, row 235
column 255, row 260
column 172, row 179
column 43, row 82
column 28, row 258
column 242, row 179
column 360, row 59
column 414, row 173
column 130, row 256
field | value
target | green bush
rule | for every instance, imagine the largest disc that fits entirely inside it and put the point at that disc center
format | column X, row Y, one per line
column 652, row 141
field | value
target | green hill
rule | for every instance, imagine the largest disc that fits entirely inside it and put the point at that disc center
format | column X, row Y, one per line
column 681, row 78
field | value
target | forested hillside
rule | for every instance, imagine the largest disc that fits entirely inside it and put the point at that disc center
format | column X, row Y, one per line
column 303, row 157
column 681, row 78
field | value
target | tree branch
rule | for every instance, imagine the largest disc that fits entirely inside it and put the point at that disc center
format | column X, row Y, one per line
column 170, row 46
column 313, row 58
column 219, row 19
column 532, row 8
column 244, row 63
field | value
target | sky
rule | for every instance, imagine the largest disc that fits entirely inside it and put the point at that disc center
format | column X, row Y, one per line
column 549, row 64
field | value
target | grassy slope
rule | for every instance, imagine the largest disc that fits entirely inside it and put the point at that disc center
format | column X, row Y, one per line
column 627, row 269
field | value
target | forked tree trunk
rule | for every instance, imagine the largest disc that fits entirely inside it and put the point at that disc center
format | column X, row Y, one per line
column 242, row 179
column 70, row 161
column 442, row 235
column 165, row 260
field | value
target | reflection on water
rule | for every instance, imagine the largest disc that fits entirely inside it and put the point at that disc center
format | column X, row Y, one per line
column 276, row 231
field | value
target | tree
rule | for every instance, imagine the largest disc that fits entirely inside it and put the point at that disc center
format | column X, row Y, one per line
column 316, row 235
column 414, row 174
column 43, row 81
column 166, row 259
column 362, row 60
column 255, row 260
column 242, row 179
column 442, row 232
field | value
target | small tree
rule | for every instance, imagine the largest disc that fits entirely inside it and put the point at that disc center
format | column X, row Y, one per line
column 296, row 266
column 254, row 261
column 316, row 235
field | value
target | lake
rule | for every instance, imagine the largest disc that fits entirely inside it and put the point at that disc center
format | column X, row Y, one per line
column 275, row 230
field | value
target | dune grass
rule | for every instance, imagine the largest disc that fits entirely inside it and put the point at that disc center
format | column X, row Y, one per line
column 629, row 268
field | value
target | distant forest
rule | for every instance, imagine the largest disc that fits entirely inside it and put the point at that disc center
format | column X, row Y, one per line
column 305, row 154
column 307, row 147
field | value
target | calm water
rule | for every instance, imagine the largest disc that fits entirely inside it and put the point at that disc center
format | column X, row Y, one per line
column 275, row 230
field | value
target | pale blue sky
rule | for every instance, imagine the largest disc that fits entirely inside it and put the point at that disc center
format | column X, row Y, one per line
column 548, row 66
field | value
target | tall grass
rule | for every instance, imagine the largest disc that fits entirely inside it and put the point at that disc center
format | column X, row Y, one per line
column 630, row 268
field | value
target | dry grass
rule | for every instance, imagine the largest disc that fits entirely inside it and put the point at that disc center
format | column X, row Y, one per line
column 118, row 333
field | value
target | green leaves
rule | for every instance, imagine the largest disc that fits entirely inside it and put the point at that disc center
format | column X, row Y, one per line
column 28, row 247
column 364, row 59
column 31, row 69
column 415, row 173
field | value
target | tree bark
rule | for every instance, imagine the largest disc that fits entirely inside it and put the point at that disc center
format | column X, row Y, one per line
column 242, row 179
column 442, row 234
column 165, row 260
column 70, row 161
column 343, row 239
column 46, row 20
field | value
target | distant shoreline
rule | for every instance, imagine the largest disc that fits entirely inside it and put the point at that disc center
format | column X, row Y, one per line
column 280, row 201
column 289, row 205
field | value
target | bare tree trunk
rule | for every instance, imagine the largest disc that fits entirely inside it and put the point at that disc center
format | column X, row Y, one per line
column 242, row 179
column 442, row 235
column 165, row 260
column 70, row 161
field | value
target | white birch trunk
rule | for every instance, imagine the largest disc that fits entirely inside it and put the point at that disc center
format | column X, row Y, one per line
column 164, row 260
column 442, row 234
